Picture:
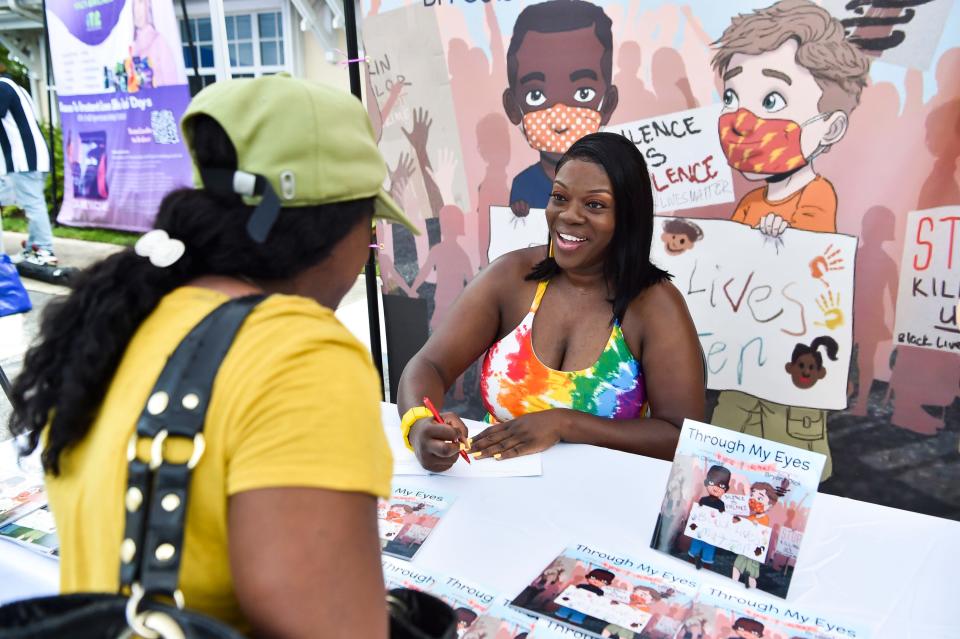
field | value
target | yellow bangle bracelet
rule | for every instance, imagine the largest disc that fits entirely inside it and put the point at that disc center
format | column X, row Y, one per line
column 413, row 415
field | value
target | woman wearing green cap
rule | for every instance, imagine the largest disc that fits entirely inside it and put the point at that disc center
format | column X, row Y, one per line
column 281, row 530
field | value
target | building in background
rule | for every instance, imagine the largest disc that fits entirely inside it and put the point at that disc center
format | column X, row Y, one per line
column 300, row 37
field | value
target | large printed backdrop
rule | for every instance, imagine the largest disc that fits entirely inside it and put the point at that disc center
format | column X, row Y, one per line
column 121, row 88
column 873, row 295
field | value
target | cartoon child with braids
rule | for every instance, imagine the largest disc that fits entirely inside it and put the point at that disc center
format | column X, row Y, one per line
column 805, row 367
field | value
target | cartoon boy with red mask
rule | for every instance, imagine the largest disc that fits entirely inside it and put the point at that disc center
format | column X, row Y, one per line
column 790, row 83
column 559, row 74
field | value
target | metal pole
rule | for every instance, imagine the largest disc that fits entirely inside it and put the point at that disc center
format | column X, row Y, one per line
column 221, row 52
column 194, row 54
column 370, row 272
column 5, row 385
column 52, row 142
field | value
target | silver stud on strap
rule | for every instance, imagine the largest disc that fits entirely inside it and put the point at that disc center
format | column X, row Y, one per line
column 165, row 552
column 158, row 403
column 190, row 401
column 134, row 499
column 128, row 550
column 170, row 502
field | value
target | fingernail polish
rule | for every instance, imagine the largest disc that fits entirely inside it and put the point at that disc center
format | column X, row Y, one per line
column 497, row 456
column 477, row 455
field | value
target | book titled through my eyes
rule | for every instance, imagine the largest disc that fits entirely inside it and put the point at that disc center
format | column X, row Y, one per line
column 408, row 518
column 607, row 595
column 720, row 613
column 738, row 505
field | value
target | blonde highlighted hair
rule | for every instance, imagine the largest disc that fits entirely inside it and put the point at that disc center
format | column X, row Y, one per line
column 839, row 67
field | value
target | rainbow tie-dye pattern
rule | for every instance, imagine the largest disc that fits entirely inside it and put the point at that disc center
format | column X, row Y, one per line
column 515, row 382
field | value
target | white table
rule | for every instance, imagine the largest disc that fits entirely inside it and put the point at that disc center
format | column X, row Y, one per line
column 23, row 573
column 891, row 571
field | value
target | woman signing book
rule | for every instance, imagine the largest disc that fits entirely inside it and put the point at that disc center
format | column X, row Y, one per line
column 583, row 340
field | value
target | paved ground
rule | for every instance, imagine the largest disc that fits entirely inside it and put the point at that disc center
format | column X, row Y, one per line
column 75, row 253
column 11, row 356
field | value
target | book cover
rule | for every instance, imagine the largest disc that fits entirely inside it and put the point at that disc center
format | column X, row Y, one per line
column 501, row 622
column 35, row 530
column 20, row 493
column 408, row 519
column 728, row 614
column 468, row 601
column 607, row 595
column 398, row 574
column 738, row 505
column 551, row 629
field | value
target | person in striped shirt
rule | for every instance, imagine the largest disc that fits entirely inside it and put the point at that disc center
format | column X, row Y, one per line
column 24, row 159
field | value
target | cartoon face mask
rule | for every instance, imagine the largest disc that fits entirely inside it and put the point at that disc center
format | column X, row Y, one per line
column 756, row 145
column 554, row 130
column 756, row 506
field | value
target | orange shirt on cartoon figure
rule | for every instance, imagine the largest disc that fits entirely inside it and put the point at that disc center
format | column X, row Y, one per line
column 812, row 208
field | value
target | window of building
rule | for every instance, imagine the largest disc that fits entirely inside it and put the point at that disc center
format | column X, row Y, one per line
column 255, row 42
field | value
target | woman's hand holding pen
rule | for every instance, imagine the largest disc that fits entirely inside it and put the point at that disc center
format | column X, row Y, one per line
column 437, row 446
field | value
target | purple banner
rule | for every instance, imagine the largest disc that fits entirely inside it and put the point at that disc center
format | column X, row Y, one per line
column 122, row 154
column 91, row 21
column 122, row 89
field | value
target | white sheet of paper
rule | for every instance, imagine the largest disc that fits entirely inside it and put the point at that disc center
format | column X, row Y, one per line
column 405, row 462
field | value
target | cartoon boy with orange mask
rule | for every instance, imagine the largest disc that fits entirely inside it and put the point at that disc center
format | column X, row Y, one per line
column 763, row 497
column 790, row 83
column 559, row 74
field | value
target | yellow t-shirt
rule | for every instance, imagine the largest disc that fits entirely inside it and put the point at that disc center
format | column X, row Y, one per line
column 295, row 403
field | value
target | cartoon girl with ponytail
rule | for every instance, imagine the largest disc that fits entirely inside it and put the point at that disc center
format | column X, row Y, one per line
column 805, row 367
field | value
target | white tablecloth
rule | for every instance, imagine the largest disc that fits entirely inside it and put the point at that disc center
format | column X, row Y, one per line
column 894, row 572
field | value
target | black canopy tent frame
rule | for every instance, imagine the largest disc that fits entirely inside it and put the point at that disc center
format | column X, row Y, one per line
column 50, row 85
column 193, row 48
column 370, row 271
column 5, row 385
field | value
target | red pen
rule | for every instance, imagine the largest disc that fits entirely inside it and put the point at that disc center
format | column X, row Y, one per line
column 436, row 416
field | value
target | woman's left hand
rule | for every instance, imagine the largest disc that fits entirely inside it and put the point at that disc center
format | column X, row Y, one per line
column 525, row 435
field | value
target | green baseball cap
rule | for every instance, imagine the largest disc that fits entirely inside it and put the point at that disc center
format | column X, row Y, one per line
column 311, row 143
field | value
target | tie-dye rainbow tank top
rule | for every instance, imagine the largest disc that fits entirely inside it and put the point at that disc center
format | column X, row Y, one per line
column 515, row 382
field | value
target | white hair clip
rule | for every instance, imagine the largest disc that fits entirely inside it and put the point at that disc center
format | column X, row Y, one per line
column 161, row 249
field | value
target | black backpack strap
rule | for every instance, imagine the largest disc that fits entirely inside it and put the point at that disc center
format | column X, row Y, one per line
column 156, row 499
